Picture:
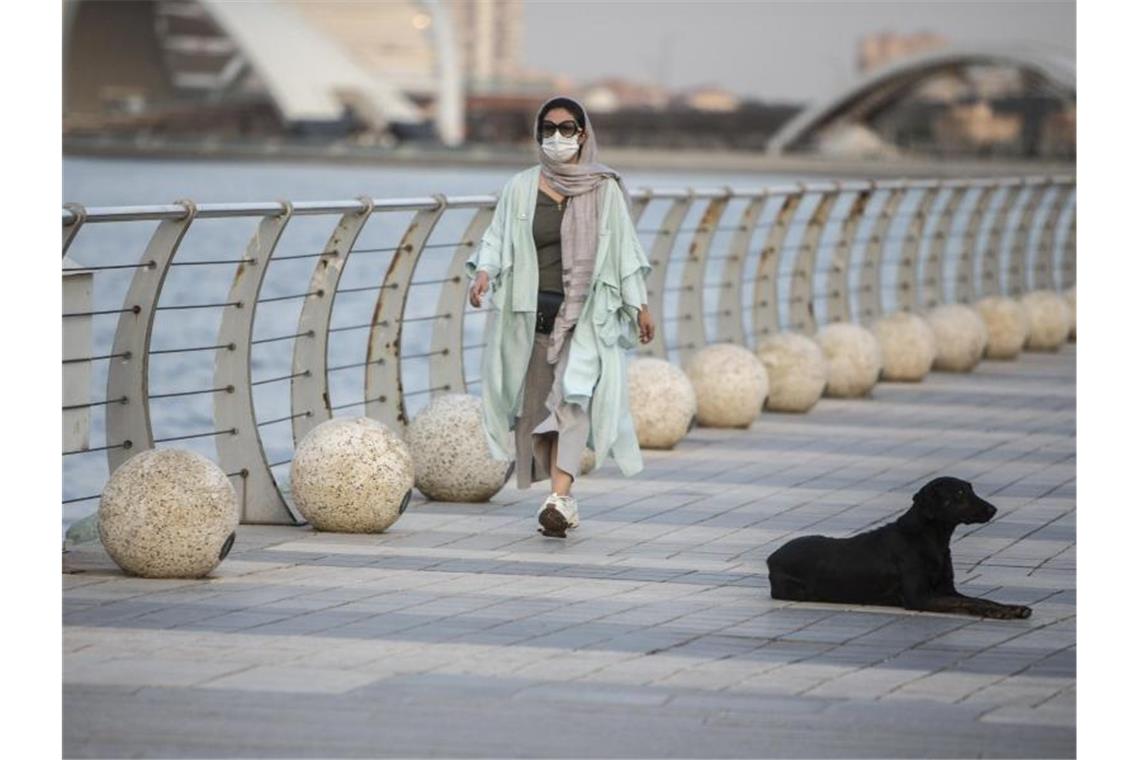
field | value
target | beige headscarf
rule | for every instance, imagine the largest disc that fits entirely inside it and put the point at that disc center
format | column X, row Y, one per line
column 579, row 182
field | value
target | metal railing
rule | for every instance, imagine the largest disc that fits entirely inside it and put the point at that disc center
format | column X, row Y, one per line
column 729, row 264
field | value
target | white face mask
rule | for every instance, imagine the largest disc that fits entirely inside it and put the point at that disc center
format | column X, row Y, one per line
column 559, row 148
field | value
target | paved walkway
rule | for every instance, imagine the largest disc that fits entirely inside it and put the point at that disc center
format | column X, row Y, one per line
column 650, row 632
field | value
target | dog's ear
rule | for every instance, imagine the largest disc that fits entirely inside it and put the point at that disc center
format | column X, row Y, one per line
column 922, row 510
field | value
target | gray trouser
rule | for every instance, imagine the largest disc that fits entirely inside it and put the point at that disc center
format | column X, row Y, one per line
column 544, row 415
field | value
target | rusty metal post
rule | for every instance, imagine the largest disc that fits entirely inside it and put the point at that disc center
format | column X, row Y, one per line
column 1017, row 278
column 690, row 303
column 838, row 301
column 637, row 206
column 1069, row 250
column 383, row 387
column 128, row 424
column 1044, row 263
column 309, row 386
column 870, row 273
column 765, row 296
column 991, row 257
column 907, row 285
column 447, row 357
column 801, row 309
column 729, row 320
column 932, row 291
column 78, row 286
column 659, row 256
column 243, row 452
column 79, row 216
column 965, row 287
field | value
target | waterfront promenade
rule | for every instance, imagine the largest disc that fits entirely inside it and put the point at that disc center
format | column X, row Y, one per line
column 649, row 632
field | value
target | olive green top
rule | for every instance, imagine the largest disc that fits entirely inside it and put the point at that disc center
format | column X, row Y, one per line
column 548, row 242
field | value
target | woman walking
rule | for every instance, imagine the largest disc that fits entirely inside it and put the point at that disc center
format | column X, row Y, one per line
column 567, row 274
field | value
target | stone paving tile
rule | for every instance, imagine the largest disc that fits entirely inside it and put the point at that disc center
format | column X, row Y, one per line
column 651, row 627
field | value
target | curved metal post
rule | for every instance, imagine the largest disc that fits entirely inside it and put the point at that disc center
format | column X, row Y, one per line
column 801, row 309
column 242, row 452
column 765, row 303
column 445, row 366
column 637, row 207
column 1069, row 250
column 690, row 304
column 128, row 424
column 309, row 386
column 729, row 319
column 932, row 294
column 383, row 387
column 991, row 257
column 1043, row 264
column 71, row 230
column 907, row 285
column 870, row 274
column 965, row 289
column 659, row 259
column 1017, row 278
column 838, row 301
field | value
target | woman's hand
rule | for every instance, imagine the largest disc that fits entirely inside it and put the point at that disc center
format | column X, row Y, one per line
column 645, row 324
column 478, row 288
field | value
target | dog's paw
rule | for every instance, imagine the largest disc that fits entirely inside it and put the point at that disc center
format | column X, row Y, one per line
column 1013, row 612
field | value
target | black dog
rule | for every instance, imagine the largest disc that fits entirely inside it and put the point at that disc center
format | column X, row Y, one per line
column 902, row 564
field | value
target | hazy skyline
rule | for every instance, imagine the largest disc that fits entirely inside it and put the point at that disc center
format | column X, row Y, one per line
column 783, row 51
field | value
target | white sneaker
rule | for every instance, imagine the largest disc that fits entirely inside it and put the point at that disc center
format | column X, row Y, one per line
column 557, row 514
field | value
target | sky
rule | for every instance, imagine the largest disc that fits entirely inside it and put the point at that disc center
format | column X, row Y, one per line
column 777, row 51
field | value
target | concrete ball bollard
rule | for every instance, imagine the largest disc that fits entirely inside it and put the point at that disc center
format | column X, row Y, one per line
column 662, row 402
column 168, row 513
column 907, row 344
column 960, row 336
column 854, row 359
column 1071, row 297
column 1050, row 320
column 797, row 371
column 731, row 385
column 589, row 461
column 1006, row 324
column 352, row 475
column 449, row 448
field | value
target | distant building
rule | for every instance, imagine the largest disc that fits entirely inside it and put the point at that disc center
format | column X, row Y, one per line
column 331, row 68
column 491, row 34
column 612, row 94
column 708, row 98
column 877, row 50
column 395, row 39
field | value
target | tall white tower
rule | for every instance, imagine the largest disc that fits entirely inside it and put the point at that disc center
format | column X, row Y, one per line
column 449, row 118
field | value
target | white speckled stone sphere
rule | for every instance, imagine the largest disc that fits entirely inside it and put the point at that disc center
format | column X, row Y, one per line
column 797, row 371
column 1050, row 320
column 960, row 335
column 168, row 513
column 1071, row 297
column 854, row 359
column 662, row 402
column 1006, row 324
column 731, row 385
column 449, row 448
column 589, row 461
column 907, row 343
column 352, row 475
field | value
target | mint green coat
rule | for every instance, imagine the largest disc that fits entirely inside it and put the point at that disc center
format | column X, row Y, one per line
column 607, row 326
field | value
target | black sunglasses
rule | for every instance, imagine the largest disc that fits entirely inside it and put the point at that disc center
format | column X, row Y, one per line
column 568, row 128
